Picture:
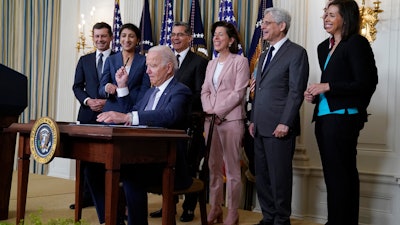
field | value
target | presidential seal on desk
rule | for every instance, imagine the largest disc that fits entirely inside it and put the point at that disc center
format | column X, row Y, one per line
column 44, row 139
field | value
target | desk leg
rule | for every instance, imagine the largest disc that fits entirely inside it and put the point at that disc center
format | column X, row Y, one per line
column 111, row 198
column 23, row 175
column 78, row 190
column 168, row 205
column 7, row 152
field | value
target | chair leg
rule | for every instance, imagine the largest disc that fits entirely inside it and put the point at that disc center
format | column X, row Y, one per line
column 203, row 208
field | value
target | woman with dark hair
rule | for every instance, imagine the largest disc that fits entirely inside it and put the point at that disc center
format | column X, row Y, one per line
column 349, row 78
column 125, row 62
column 222, row 95
column 121, row 98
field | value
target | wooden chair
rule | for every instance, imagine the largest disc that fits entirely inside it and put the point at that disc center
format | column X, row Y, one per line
column 200, row 184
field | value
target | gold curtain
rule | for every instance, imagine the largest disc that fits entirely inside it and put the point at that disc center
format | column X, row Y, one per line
column 29, row 45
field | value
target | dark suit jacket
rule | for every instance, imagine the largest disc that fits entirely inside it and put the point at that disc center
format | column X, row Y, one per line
column 279, row 90
column 86, row 85
column 192, row 73
column 171, row 110
column 138, row 81
column 351, row 74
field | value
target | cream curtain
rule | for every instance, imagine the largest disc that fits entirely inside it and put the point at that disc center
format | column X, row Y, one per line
column 29, row 45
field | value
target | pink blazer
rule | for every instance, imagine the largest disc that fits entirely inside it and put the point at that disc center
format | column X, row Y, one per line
column 227, row 101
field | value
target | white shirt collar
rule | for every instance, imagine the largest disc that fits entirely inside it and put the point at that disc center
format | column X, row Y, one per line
column 182, row 55
column 278, row 45
column 164, row 85
column 106, row 53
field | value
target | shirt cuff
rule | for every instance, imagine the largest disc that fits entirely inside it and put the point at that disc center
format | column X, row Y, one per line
column 122, row 92
column 135, row 118
column 85, row 101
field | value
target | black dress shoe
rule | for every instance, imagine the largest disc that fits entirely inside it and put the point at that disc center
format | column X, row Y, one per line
column 262, row 222
column 85, row 203
column 156, row 214
column 187, row 216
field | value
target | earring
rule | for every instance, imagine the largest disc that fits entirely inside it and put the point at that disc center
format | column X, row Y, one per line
column 229, row 45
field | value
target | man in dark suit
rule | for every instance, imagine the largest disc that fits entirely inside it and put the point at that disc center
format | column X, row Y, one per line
column 191, row 72
column 87, row 81
column 275, row 122
column 163, row 105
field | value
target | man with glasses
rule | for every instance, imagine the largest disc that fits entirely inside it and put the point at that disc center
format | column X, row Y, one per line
column 282, row 76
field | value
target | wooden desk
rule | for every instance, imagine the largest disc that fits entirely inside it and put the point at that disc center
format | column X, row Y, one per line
column 7, row 153
column 112, row 146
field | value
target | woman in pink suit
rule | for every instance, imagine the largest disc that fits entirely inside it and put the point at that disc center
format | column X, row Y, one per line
column 223, row 94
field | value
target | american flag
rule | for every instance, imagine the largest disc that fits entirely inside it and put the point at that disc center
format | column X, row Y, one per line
column 145, row 26
column 199, row 42
column 256, row 45
column 167, row 23
column 116, row 46
column 226, row 13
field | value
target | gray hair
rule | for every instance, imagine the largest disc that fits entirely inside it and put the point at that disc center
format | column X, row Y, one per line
column 280, row 16
column 167, row 55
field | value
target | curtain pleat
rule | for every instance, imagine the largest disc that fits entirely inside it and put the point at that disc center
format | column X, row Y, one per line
column 29, row 45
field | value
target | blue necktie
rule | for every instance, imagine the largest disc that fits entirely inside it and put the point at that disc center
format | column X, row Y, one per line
column 100, row 65
column 150, row 103
column 269, row 56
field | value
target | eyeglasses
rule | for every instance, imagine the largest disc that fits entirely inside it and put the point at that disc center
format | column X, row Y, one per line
column 267, row 23
column 179, row 35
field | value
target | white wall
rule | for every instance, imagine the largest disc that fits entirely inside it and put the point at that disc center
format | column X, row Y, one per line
column 379, row 147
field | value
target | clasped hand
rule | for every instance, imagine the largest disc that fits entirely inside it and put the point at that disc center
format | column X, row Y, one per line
column 314, row 90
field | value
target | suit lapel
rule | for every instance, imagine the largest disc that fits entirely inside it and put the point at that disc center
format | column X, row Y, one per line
column 93, row 67
column 185, row 63
column 165, row 94
column 227, row 64
column 133, row 69
column 276, row 58
column 260, row 64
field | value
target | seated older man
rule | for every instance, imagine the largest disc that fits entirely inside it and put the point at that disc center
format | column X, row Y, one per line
column 166, row 104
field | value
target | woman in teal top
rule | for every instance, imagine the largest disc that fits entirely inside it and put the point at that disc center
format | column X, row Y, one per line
column 349, row 78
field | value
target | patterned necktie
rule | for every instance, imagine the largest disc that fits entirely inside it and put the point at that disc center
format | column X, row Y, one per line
column 100, row 65
column 269, row 57
column 150, row 103
column 177, row 58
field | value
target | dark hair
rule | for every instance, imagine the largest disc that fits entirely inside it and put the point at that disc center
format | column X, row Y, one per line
column 133, row 28
column 350, row 13
column 231, row 31
column 188, row 29
column 102, row 25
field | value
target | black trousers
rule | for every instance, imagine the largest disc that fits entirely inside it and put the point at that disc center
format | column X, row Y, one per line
column 274, row 177
column 195, row 153
column 337, row 137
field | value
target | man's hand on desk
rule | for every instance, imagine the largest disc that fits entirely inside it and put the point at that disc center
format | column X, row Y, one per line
column 115, row 117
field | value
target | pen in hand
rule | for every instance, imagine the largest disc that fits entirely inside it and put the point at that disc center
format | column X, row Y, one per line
column 126, row 63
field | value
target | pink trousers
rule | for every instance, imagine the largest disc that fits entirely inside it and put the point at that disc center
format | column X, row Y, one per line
column 225, row 150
